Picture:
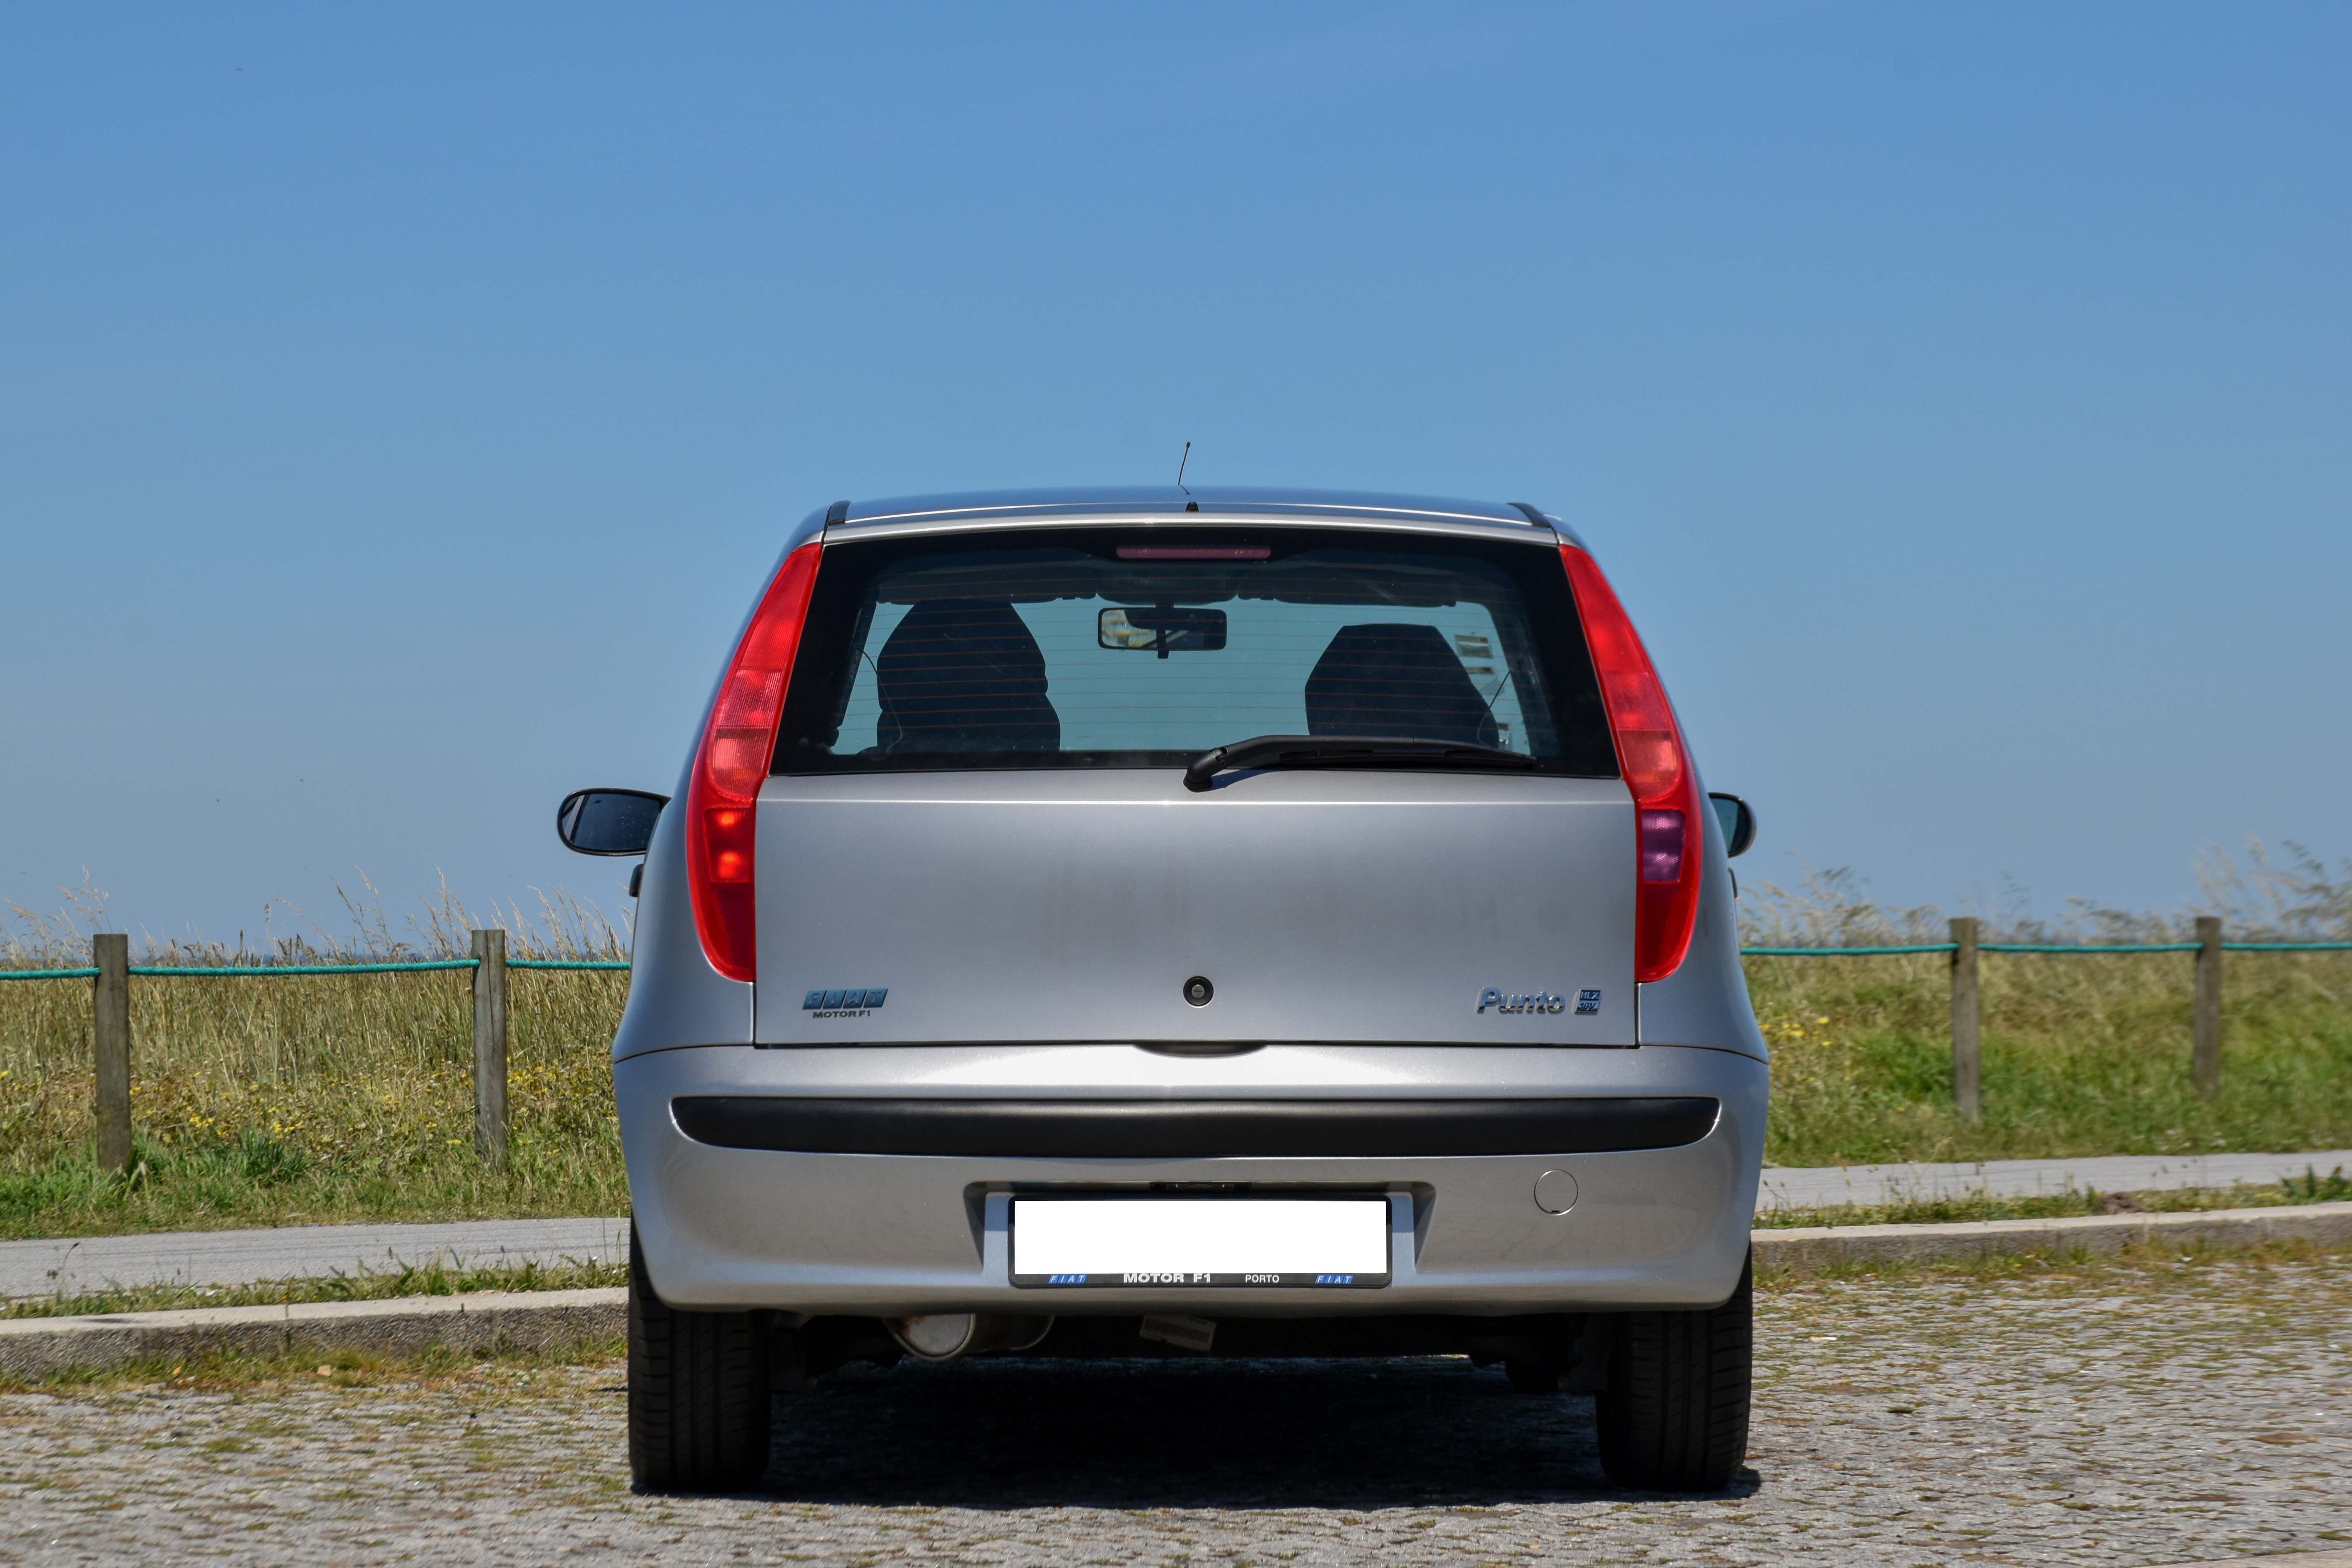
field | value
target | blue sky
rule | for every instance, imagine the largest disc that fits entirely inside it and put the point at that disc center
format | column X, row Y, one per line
column 398, row 405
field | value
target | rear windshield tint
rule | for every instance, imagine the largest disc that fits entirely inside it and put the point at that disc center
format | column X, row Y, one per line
column 1136, row 647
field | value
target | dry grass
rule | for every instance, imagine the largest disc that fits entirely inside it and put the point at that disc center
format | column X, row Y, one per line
column 2082, row 1055
column 325, row 1097
column 267, row 1101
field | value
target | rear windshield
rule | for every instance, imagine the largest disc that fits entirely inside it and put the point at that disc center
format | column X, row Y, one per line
column 1144, row 647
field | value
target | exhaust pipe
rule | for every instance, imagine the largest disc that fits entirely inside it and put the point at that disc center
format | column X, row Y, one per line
column 951, row 1336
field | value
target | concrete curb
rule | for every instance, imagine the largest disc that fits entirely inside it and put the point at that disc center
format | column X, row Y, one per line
column 1810, row 1249
column 81, row 1265
column 33, row 1348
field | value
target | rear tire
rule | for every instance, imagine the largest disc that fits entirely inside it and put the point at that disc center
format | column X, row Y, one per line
column 1673, row 1415
column 698, row 1408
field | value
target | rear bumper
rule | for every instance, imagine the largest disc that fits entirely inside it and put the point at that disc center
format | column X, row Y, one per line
column 901, row 1233
column 1194, row 1129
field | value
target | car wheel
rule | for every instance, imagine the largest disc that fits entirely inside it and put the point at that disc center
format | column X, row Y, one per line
column 698, row 1406
column 1673, row 1415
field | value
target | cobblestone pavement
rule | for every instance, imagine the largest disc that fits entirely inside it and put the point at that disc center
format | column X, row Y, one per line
column 2109, row 1414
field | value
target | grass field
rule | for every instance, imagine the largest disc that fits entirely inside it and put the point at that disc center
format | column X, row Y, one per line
column 2082, row 1055
column 267, row 1101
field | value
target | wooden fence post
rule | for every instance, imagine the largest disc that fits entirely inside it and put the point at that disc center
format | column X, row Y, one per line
column 2207, row 1065
column 1968, row 1090
column 110, row 1032
column 490, row 1047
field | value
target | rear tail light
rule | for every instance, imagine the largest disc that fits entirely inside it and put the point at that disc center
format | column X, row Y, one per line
column 722, row 795
column 1657, row 769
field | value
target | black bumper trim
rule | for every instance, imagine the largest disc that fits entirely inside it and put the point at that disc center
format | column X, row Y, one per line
column 1193, row 1129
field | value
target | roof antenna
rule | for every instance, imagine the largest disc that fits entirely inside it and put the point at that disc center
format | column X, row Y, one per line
column 1180, row 468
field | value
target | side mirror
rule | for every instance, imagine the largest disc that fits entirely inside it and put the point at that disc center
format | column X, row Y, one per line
column 608, row 821
column 1738, row 820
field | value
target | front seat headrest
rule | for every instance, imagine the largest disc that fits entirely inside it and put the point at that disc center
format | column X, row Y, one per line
column 1397, row 680
column 964, row 675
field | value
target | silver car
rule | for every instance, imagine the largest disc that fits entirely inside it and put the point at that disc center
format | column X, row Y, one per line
column 1180, row 923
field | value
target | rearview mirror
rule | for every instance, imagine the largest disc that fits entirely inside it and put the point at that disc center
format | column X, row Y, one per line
column 608, row 821
column 1738, row 821
column 1162, row 629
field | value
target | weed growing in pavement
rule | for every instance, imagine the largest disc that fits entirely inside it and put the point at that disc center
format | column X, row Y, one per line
column 365, row 1285
column 2059, row 1205
column 490, row 1372
column 2311, row 1187
column 2150, row 1262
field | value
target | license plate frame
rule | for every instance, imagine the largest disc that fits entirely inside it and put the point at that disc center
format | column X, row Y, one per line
column 1158, row 1241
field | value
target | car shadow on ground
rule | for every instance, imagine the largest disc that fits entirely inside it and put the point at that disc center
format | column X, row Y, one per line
column 1183, row 1433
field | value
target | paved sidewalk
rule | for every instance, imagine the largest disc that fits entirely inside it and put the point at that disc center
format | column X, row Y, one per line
column 1808, row 1188
column 78, row 1266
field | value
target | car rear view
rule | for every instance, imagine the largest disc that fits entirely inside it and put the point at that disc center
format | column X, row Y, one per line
column 1144, row 923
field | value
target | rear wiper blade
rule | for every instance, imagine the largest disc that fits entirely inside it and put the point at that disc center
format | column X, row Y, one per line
column 1344, row 750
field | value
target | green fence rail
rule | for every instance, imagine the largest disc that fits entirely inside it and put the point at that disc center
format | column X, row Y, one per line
column 2070, row 948
column 264, row 971
column 622, row 965
column 271, row 971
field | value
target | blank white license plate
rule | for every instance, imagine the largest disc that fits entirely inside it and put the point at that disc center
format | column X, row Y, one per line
column 1080, row 1242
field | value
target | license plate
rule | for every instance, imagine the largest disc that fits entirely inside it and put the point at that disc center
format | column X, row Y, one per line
column 1091, row 1242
